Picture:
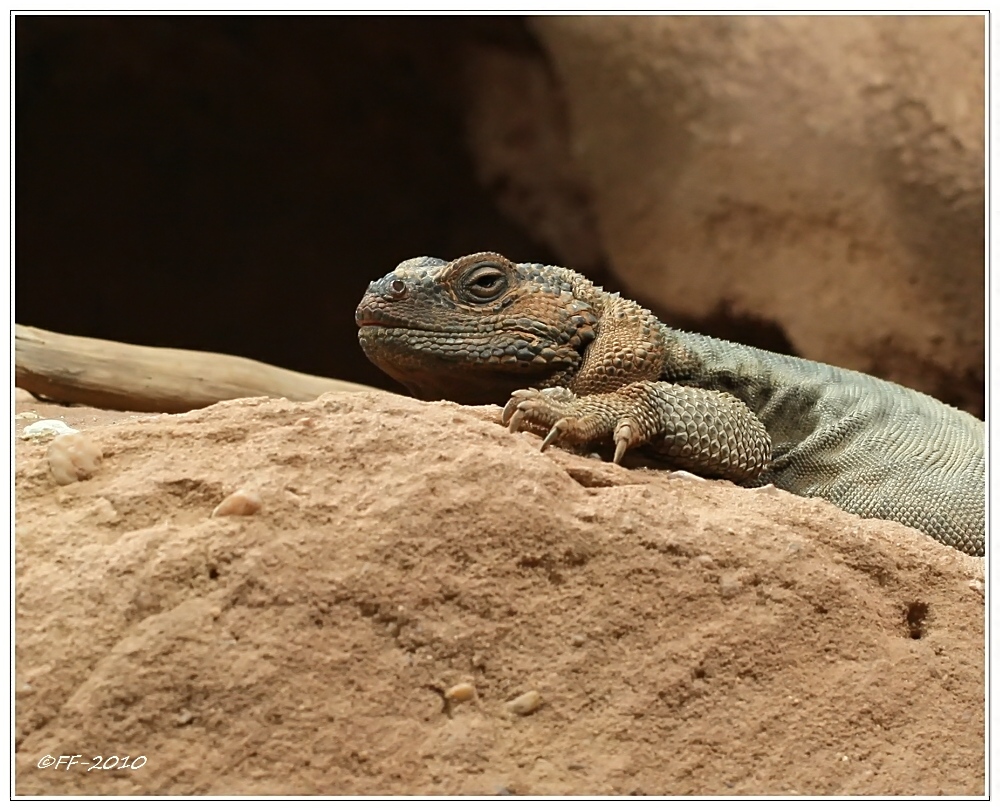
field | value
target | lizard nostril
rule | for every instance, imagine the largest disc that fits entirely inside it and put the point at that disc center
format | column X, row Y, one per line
column 397, row 288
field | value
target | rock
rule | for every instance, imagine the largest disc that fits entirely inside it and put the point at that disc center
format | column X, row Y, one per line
column 73, row 457
column 819, row 179
column 463, row 691
column 242, row 502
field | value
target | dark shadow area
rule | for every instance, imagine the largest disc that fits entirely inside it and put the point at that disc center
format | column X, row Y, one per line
column 724, row 322
column 232, row 184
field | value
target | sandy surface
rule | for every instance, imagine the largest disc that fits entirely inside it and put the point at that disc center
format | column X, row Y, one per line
column 685, row 637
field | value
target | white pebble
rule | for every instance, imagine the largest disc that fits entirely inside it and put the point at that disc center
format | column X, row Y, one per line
column 44, row 428
column 242, row 502
column 686, row 475
column 73, row 457
column 526, row 703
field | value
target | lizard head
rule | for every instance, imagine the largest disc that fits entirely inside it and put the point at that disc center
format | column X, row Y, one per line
column 475, row 329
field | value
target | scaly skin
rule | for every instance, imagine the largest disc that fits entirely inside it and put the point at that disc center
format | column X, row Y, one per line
column 588, row 366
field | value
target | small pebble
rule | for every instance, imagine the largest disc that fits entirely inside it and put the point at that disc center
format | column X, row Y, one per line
column 73, row 457
column 977, row 585
column 463, row 691
column 687, row 475
column 767, row 490
column 26, row 415
column 578, row 639
column 242, row 502
column 526, row 703
column 44, row 428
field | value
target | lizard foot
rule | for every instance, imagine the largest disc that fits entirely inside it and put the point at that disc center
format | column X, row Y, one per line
column 558, row 414
column 703, row 431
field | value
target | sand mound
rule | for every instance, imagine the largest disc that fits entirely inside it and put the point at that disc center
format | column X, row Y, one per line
column 685, row 637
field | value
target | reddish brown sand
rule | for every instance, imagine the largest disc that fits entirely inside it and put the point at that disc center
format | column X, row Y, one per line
column 686, row 637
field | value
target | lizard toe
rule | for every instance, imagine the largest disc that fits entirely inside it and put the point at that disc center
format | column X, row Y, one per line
column 537, row 411
column 516, row 398
column 625, row 436
column 555, row 432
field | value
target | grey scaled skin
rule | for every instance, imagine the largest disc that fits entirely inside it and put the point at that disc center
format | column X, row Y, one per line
column 579, row 365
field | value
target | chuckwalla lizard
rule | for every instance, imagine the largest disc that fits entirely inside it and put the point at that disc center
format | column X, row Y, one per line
column 585, row 366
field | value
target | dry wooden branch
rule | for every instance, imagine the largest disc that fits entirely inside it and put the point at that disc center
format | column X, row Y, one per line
column 108, row 374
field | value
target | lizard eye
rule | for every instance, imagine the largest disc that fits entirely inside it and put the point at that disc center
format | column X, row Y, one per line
column 485, row 283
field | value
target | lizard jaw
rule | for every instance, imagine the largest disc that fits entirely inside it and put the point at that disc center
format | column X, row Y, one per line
column 430, row 368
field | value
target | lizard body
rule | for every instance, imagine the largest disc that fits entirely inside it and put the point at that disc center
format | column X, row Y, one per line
column 601, row 367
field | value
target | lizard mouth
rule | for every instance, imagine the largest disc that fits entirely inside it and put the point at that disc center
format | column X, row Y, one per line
column 372, row 326
column 366, row 318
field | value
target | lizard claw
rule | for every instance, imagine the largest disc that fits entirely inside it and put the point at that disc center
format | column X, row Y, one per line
column 554, row 433
column 620, row 447
column 624, row 432
column 516, row 398
column 508, row 412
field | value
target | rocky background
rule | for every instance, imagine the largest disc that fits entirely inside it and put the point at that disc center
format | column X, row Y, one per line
column 812, row 185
